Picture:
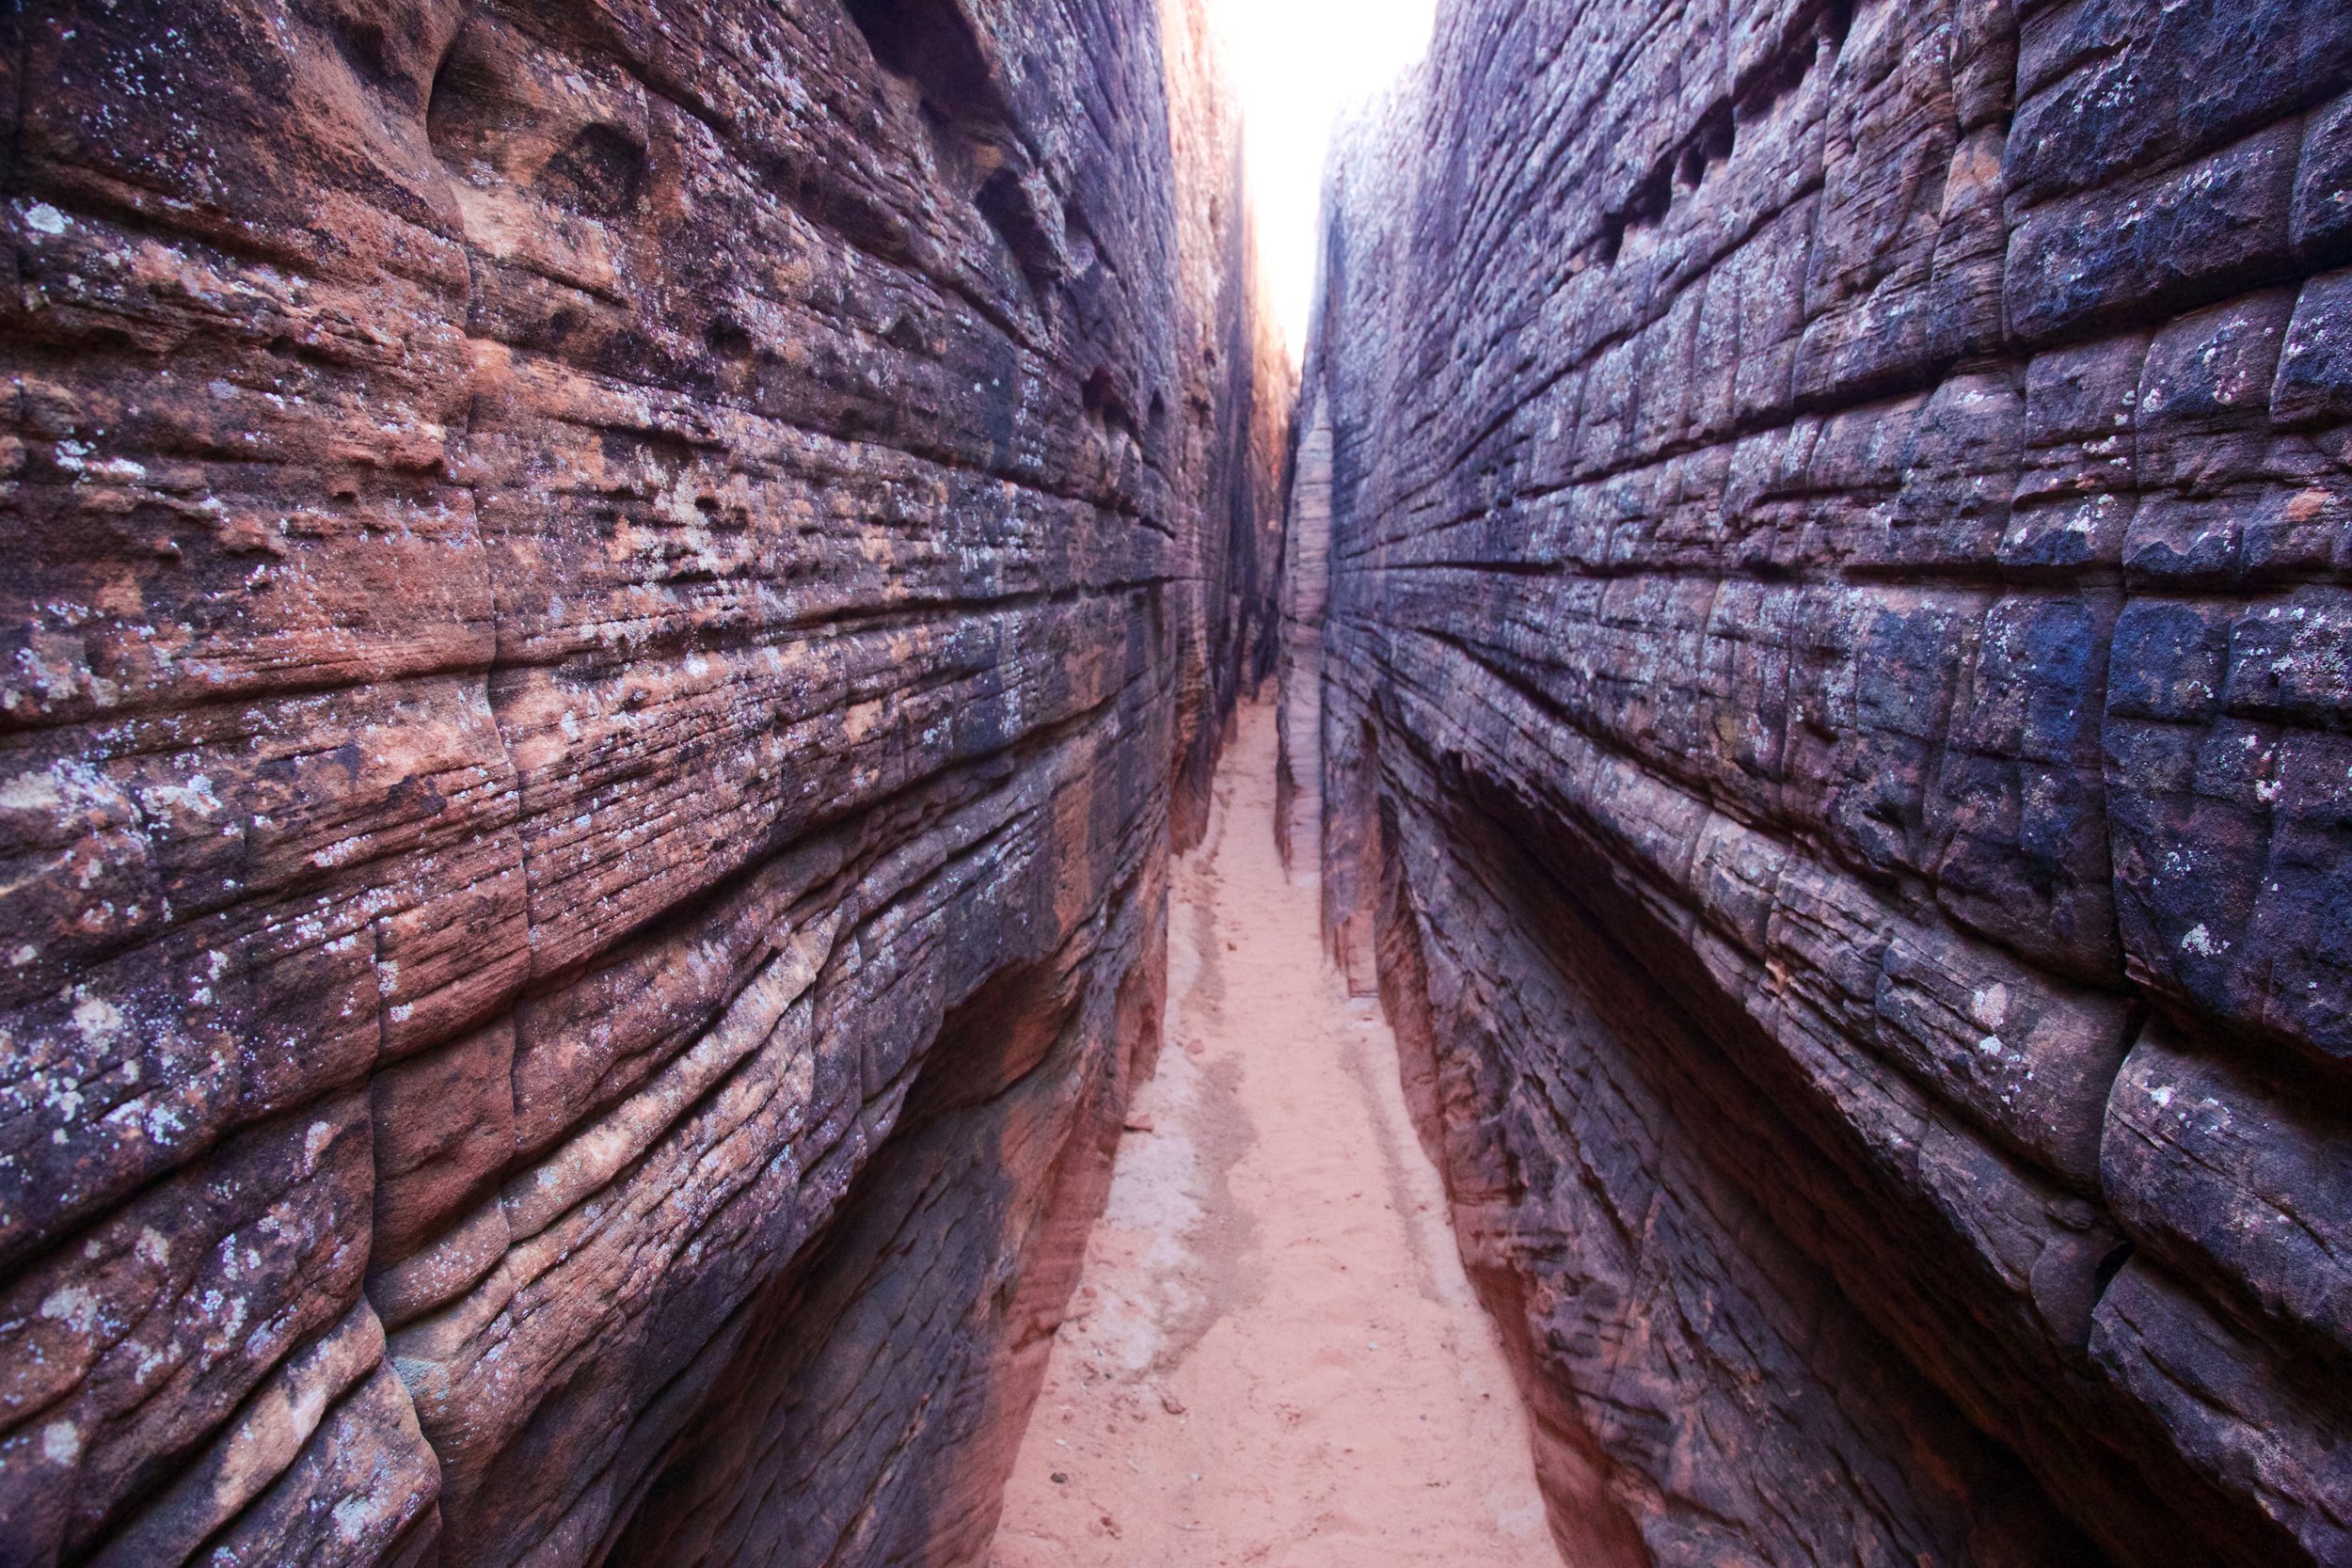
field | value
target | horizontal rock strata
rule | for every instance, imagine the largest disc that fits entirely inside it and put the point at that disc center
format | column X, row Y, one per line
column 611, row 612
column 1835, row 738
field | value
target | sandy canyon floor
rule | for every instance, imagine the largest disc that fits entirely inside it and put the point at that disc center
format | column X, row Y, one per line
column 1274, row 1356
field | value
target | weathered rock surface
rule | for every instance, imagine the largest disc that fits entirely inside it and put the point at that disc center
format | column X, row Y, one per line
column 1836, row 731
column 610, row 612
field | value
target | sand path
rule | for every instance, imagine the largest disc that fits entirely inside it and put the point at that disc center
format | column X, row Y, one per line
column 1274, row 1356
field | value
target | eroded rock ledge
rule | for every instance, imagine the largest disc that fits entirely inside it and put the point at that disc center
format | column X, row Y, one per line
column 611, row 610
column 1833, row 741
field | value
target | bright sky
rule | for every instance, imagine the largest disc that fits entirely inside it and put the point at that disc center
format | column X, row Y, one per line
column 1296, row 64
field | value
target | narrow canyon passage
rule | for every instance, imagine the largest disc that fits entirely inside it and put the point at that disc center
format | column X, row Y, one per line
column 644, row 922
column 1273, row 1356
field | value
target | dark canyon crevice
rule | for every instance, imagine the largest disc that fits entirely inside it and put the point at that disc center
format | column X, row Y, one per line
column 1824, row 723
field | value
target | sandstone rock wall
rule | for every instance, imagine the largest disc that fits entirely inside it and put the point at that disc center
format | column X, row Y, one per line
column 1306, row 593
column 1836, row 731
column 610, row 610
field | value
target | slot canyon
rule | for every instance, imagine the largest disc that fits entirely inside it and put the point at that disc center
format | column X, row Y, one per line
column 741, row 830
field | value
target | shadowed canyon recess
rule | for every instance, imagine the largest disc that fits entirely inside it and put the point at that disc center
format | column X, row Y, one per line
column 618, row 625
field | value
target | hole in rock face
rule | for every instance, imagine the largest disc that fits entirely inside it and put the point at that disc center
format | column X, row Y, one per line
column 483, row 114
column 1837, row 22
column 1719, row 136
column 1708, row 147
column 728, row 339
column 932, row 43
column 1004, row 203
column 374, row 58
column 500, row 103
column 1084, row 253
column 1101, row 396
column 597, row 174
column 2110, row 1266
column 465, row 108
column 1651, row 198
column 1612, row 238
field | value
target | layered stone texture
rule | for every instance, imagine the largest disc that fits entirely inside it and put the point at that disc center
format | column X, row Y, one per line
column 611, row 610
column 1835, row 735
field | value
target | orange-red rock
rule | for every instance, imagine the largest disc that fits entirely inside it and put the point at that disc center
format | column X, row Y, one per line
column 609, row 613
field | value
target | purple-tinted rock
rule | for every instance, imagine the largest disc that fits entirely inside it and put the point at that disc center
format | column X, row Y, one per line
column 1837, row 741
